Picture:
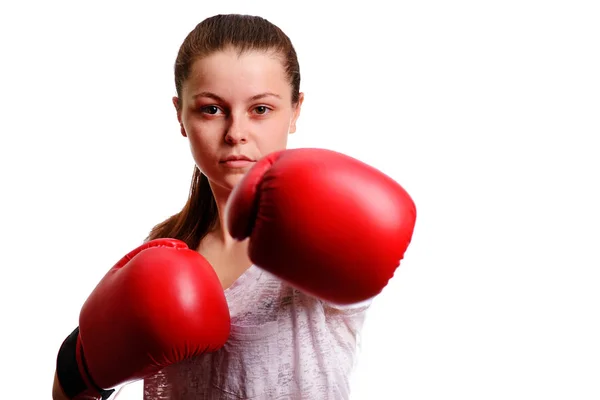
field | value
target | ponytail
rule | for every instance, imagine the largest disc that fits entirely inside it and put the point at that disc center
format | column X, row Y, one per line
column 198, row 217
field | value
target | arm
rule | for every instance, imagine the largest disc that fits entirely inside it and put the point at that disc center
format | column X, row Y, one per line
column 57, row 393
column 326, row 223
column 185, row 314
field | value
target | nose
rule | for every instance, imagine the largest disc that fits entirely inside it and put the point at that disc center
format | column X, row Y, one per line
column 237, row 131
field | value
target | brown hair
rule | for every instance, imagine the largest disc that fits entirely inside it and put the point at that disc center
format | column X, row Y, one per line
column 244, row 33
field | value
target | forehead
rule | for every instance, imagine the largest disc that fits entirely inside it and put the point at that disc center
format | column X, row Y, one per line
column 230, row 74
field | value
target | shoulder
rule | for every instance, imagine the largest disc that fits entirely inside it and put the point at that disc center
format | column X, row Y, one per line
column 348, row 309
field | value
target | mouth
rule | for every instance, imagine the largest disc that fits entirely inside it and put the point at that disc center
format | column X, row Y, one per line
column 235, row 158
column 239, row 161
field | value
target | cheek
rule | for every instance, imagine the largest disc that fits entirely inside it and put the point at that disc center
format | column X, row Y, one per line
column 203, row 147
column 203, row 135
column 277, row 137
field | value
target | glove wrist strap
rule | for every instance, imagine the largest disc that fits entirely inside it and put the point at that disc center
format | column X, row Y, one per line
column 70, row 377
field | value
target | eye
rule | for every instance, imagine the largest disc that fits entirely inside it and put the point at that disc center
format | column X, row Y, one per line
column 212, row 110
column 261, row 110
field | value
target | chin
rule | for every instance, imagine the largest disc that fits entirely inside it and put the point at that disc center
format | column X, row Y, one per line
column 228, row 178
column 231, row 180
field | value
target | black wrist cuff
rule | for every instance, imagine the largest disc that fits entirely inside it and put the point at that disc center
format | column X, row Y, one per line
column 67, row 370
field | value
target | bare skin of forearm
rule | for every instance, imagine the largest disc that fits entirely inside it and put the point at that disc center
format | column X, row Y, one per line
column 57, row 393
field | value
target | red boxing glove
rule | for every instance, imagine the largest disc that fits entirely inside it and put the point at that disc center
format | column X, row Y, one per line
column 324, row 222
column 160, row 304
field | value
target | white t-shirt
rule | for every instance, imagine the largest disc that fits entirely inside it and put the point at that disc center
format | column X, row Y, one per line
column 284, row 344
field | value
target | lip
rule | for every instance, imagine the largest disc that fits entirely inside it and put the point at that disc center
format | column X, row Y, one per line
column 239, row 157
column 236, row 161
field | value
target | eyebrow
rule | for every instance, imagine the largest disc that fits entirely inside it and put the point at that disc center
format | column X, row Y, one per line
column 253, row 98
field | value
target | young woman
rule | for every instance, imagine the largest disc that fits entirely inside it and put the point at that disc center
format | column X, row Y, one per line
column 238, row 98
column 238, row 86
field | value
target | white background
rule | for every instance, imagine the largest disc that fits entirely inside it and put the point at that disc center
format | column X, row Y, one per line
column 486, row 112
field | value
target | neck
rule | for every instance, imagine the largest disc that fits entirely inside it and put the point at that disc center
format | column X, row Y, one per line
column 229, row 257
column 220, row 232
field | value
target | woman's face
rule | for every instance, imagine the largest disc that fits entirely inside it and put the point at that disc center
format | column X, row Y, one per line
column 235, row 109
